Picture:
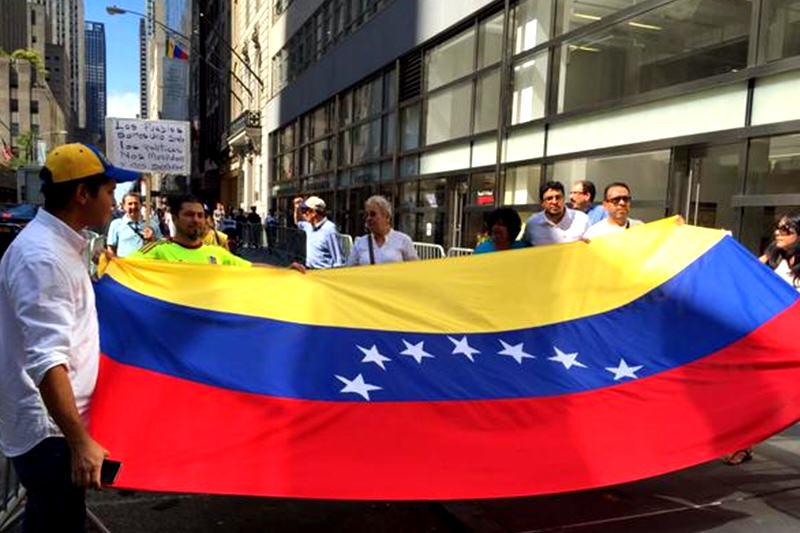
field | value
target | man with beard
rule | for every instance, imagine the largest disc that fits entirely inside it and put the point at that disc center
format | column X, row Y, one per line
column 187, row 244
column 555, row 223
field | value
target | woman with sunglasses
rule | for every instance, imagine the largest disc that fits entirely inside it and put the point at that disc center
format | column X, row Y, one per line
column 381, row 244
column 783, row 254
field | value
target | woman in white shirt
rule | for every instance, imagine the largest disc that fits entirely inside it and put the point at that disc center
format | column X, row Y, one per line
column 381, row 244
column 783, row 254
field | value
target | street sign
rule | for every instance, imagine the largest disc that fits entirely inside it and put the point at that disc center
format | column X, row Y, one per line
column 149, row 145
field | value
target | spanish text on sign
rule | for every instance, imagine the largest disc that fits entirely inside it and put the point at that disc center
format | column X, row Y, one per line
column 149, row 145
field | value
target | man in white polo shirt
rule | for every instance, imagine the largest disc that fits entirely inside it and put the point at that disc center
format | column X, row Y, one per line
column 617, row 203
column 50, row 348
column 555, row 223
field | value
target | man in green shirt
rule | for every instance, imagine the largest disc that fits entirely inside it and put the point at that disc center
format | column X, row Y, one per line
column 187, row 244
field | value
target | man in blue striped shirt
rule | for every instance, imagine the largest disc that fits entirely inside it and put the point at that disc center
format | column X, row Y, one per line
column 323, row 249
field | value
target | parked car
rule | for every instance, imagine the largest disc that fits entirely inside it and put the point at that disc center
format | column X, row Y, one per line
column 12, row 220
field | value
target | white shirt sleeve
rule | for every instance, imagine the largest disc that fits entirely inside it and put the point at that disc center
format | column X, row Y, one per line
column 409, row 253
column 355, row 255
column 40, row 295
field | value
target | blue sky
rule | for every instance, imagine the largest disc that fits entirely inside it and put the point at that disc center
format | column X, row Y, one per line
column 122, row 54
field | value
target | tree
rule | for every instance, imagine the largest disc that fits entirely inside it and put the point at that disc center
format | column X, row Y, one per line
column 25, row 147
column 32, row 57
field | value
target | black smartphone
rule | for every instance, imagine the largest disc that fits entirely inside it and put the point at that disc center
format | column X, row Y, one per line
column 109, row 471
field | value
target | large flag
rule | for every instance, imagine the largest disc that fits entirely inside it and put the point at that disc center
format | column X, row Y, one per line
column 516, row 373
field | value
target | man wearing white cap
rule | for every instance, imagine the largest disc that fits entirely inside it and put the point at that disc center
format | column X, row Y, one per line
column 323, row 249
column 50, row 351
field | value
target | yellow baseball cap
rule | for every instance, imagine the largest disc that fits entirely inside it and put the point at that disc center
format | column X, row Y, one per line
column 77, row 161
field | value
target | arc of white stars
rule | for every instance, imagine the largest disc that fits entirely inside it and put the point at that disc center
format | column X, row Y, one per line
column 357, row 386
column 624, row 371
column 462, row 347
column 373, row 356
column 417, row 351
column 516, row 351
column 567, row 359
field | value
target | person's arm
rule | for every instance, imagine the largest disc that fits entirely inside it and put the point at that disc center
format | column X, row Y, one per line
column 113, row 237
column 409, row 253
column 87, row 455
column 353, row 258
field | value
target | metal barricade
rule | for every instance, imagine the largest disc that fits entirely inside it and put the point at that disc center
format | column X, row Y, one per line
column 252, row 235
column 455, row 251
column 429, row 251
column 346, row 244
column 12, row 495
column 289, row 245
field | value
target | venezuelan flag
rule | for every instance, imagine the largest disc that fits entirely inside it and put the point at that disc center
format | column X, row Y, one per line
column 526, row 372
column 173, row 50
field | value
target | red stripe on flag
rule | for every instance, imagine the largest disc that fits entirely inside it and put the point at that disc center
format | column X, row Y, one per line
column 176, row 435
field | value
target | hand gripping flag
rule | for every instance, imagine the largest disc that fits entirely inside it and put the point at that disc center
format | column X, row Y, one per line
column 516, row 373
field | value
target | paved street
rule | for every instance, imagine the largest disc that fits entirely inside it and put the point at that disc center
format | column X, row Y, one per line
column 763, row 496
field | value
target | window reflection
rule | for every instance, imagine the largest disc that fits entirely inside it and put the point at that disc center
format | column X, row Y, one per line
column 679, row 42
column 450, row 60
column 531, row 24
column 527, row 101
column 448, row 115
column 781, row 28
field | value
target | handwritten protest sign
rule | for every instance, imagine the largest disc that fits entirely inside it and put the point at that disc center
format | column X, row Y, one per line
column 149, row 145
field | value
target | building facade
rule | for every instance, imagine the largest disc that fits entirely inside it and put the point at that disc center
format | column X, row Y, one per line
column 451, row 110
column 95, row 47
column 65, row 18
column 246, row 176
column 28, row 106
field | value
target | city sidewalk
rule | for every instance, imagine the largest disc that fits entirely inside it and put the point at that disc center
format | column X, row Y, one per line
column 762, row 495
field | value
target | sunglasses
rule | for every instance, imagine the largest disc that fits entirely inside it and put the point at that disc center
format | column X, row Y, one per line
column 619, row 200
column 785, row 229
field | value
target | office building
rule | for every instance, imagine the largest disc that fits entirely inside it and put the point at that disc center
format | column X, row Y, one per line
column 95, row 47
column 453, row 108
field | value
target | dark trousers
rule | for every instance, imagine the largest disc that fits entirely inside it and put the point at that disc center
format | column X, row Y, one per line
column 54, row 503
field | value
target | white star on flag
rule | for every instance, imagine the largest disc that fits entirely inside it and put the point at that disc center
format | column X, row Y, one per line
column 516, row 351
column 357, row 386
column 463, row 347
column 417, row 351
column 567, row 359
column 624, row 371
column 373, row 356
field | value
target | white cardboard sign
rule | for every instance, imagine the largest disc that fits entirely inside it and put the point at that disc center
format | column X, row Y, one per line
column 161, row 146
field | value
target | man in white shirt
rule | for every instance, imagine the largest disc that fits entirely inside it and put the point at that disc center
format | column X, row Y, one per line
column 131, row 232
column 555, row 223
column 617, row 203
column 49, row 354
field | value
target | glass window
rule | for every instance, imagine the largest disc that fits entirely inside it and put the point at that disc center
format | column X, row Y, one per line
column 317, row 123
column 522, row 185
column 367, row 141
column 450, row 60
column 367, row 99
column 389, row 133
column 409, row 166
column 527, row 101
column 447, row 116
column 432, row 192
column 346, row 107
column 490, row 41
column 487, row 102
column 647, row 175
column 577, row 13
column 774, row 165
column 367, row 174
column 409, row 123
column 531, row 24
column 286, row 138
column 481, row 187
column 345, row 148
column 781, row 28
column 286, row 166
column 408, row 194
column 682, row 41
column 316, row 157
column 390, row 89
